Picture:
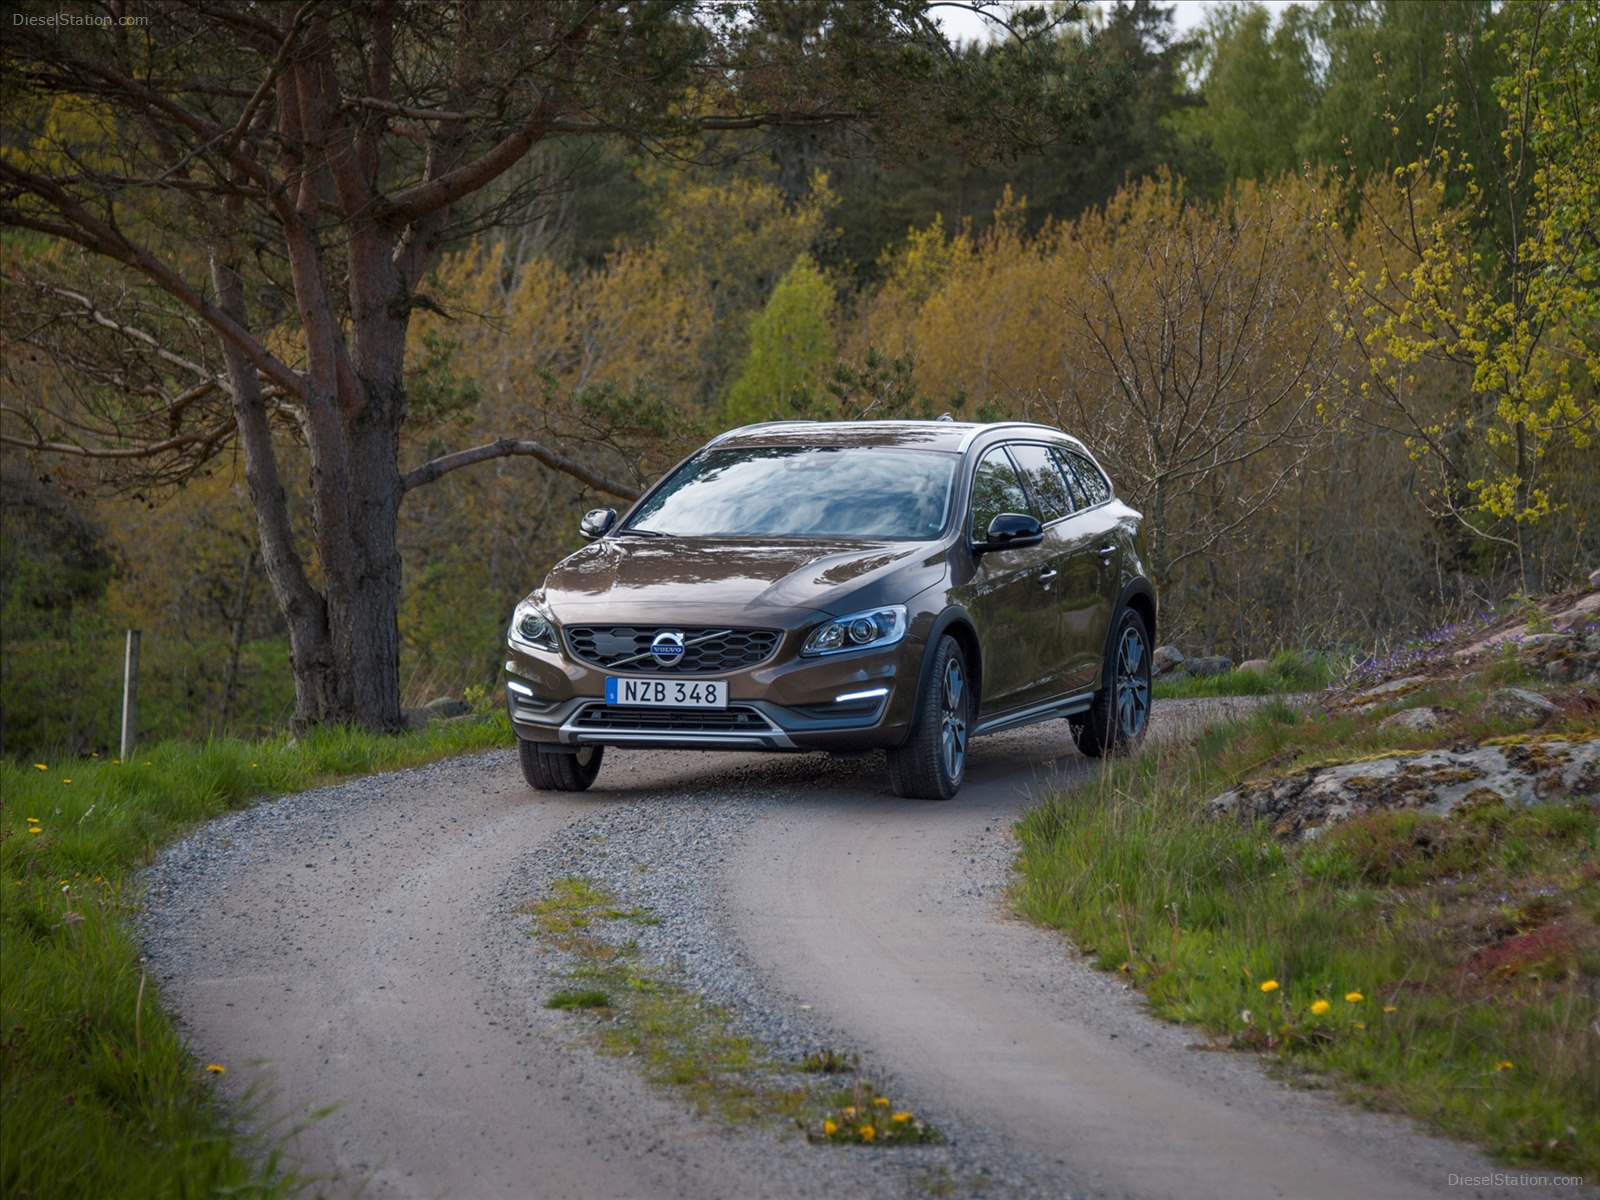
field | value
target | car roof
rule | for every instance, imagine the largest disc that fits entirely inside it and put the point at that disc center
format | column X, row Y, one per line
column 953, row 436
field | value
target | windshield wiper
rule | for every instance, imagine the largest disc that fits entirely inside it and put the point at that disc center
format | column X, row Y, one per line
column 638, row 532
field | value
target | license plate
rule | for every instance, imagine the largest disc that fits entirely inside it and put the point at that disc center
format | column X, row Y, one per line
column 668, row 693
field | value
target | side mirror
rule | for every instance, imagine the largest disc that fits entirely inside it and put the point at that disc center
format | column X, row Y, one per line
column 597, row 522
column 1012, row 531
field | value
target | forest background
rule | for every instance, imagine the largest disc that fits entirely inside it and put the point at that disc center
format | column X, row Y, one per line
column 1322, row 290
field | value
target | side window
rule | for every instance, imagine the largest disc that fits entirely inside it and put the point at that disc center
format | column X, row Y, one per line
column 995, row 490
column 1080, row 498
column 1093, row 484
column 1044, row 481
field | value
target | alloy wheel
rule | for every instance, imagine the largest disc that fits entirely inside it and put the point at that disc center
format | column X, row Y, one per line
column 953, row 717
column 1133, row 682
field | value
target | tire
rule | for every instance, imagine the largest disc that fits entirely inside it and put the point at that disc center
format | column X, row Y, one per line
column 1117, row 720
column 933, row 761
column 559, row 771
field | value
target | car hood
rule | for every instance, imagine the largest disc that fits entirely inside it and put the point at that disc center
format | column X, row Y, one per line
column 718, row 579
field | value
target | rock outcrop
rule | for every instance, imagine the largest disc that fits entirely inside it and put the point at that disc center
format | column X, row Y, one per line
column 1512, row 772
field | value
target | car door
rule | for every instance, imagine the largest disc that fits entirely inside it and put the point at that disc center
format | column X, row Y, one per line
column 1092, row 545
column 1072, row 577
column 1011, row 595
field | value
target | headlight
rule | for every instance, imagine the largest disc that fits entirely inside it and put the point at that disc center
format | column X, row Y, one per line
column 531, row 626
column 859, row 631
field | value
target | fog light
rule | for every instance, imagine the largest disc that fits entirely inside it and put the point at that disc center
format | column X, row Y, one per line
column 520, row 689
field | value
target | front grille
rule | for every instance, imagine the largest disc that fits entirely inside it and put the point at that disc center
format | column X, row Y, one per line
column 706, row 649
column 609, row 718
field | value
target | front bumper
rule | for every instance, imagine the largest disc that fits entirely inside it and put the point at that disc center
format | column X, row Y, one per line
column 785, row 703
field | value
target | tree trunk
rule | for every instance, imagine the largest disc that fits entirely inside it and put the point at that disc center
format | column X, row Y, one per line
column 363, row 616
column 1524, row 500
column 303, row 608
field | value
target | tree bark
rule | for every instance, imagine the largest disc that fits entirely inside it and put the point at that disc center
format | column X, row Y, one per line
column 303, row 608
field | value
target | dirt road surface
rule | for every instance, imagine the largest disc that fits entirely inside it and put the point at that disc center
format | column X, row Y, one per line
column 353, row 957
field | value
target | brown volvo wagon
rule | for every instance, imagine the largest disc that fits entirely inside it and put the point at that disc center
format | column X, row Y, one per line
column 894, row 585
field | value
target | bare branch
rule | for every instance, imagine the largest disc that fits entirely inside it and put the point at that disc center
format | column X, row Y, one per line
column 210, row 438
column 156, row 345
column 512, row 447
column 231, row 142
column 94, row 234
column 440, row 192
column 412, row 113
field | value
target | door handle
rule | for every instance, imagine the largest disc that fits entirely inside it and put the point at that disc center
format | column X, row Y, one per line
column 1048, row 577
column 1107, row 550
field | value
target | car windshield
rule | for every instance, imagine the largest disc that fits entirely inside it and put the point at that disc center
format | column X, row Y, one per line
column 803, row 491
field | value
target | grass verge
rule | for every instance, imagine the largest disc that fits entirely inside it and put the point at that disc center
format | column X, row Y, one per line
column 98, row 1096
column 686, row 1045
column 1287, row 671
column 1447, row 969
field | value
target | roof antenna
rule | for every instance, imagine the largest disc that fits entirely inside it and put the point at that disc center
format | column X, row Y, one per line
column 946, row 417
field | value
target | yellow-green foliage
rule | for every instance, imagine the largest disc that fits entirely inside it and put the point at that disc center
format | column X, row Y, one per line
column 979, row 313
column 791, row 343
column 1520, row 322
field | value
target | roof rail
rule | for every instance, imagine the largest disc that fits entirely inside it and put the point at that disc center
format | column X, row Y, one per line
column 980, row 430
column 728, row 433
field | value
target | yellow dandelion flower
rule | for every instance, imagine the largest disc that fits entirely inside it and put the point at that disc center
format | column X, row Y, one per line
column 1504, row 1065
column 216, row 1068
column 40, row 767
column 1354, row 997
column 1320, row 1007
column 867, row 1133
column 881, row 1102
column 33, row 820
column 33, row 829
column 900, row 1118
column 1389, row 1008
column 1270, row 985
column 829, row 1128
column 850, row 1111
column 66, row 781
column 1359, row 1024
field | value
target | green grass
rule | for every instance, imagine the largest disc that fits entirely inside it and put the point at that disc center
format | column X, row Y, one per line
column 98, row 1096
column 579, row 999
column 1287, row 671
column 1383, row 919
column 681, row 1043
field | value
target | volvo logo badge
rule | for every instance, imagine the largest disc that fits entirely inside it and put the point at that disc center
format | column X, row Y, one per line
column 667, row 647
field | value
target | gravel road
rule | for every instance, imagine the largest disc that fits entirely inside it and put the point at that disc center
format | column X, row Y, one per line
column 353, row 956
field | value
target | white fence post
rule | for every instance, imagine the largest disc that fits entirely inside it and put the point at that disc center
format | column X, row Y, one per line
column 130, row 683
